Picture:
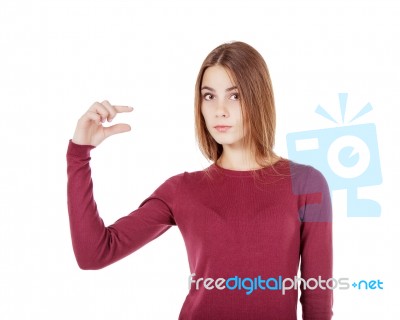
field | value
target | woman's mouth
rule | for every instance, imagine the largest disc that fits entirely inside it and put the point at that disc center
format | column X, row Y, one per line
column 222, row 128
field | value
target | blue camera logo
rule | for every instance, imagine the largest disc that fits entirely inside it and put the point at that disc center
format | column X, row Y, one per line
column 347, row 156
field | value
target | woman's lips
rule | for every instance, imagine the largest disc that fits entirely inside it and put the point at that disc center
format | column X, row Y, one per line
column 222, row 128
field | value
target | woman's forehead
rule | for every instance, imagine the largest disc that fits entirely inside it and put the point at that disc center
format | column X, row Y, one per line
column 218, row 77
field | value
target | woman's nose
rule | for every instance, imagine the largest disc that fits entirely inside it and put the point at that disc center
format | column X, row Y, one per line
column 222, row 110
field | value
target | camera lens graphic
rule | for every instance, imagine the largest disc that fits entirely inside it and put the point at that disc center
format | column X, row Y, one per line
column 348, row 156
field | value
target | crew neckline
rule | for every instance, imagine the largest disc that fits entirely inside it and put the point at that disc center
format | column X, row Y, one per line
column 247, row 173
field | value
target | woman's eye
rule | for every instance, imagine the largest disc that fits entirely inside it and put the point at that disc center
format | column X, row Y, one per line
column 208, row 96
column 235, row 96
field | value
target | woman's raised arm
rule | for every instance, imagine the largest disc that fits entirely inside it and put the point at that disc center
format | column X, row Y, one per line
column 95, row 245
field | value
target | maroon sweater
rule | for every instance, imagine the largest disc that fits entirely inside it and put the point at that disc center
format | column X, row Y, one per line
column 248, row 228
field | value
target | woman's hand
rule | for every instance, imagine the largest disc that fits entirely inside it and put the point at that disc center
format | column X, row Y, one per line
column 90, row 131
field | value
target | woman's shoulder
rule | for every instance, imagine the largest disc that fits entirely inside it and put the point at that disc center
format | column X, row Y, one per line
column 298, row 172
column 306, row 178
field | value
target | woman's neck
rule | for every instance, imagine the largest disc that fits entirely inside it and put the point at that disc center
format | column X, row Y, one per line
column 240, row 160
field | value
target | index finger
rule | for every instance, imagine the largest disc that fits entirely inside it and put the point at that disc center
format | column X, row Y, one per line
column 120, row 109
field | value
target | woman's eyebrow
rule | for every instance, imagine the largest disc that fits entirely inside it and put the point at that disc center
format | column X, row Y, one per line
column 213, row 90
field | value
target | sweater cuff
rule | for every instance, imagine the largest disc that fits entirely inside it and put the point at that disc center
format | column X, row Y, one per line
column 78, row 150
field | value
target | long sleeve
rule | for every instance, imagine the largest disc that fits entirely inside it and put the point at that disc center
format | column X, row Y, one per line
column 95, row 245
column 316, row 248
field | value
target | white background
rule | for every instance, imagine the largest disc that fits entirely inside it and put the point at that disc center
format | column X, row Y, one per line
column 58, row 57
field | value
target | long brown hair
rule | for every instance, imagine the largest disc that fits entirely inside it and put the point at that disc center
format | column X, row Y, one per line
column 250, row 74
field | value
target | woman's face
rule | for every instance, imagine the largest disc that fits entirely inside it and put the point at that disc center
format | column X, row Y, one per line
column 221, row 107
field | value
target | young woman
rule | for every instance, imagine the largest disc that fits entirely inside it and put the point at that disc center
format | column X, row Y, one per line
column 247, row 220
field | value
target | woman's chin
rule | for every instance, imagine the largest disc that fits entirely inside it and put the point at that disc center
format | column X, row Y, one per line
column 229, row 142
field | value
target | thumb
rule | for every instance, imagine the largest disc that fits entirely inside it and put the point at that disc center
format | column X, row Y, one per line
column 117, row 128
